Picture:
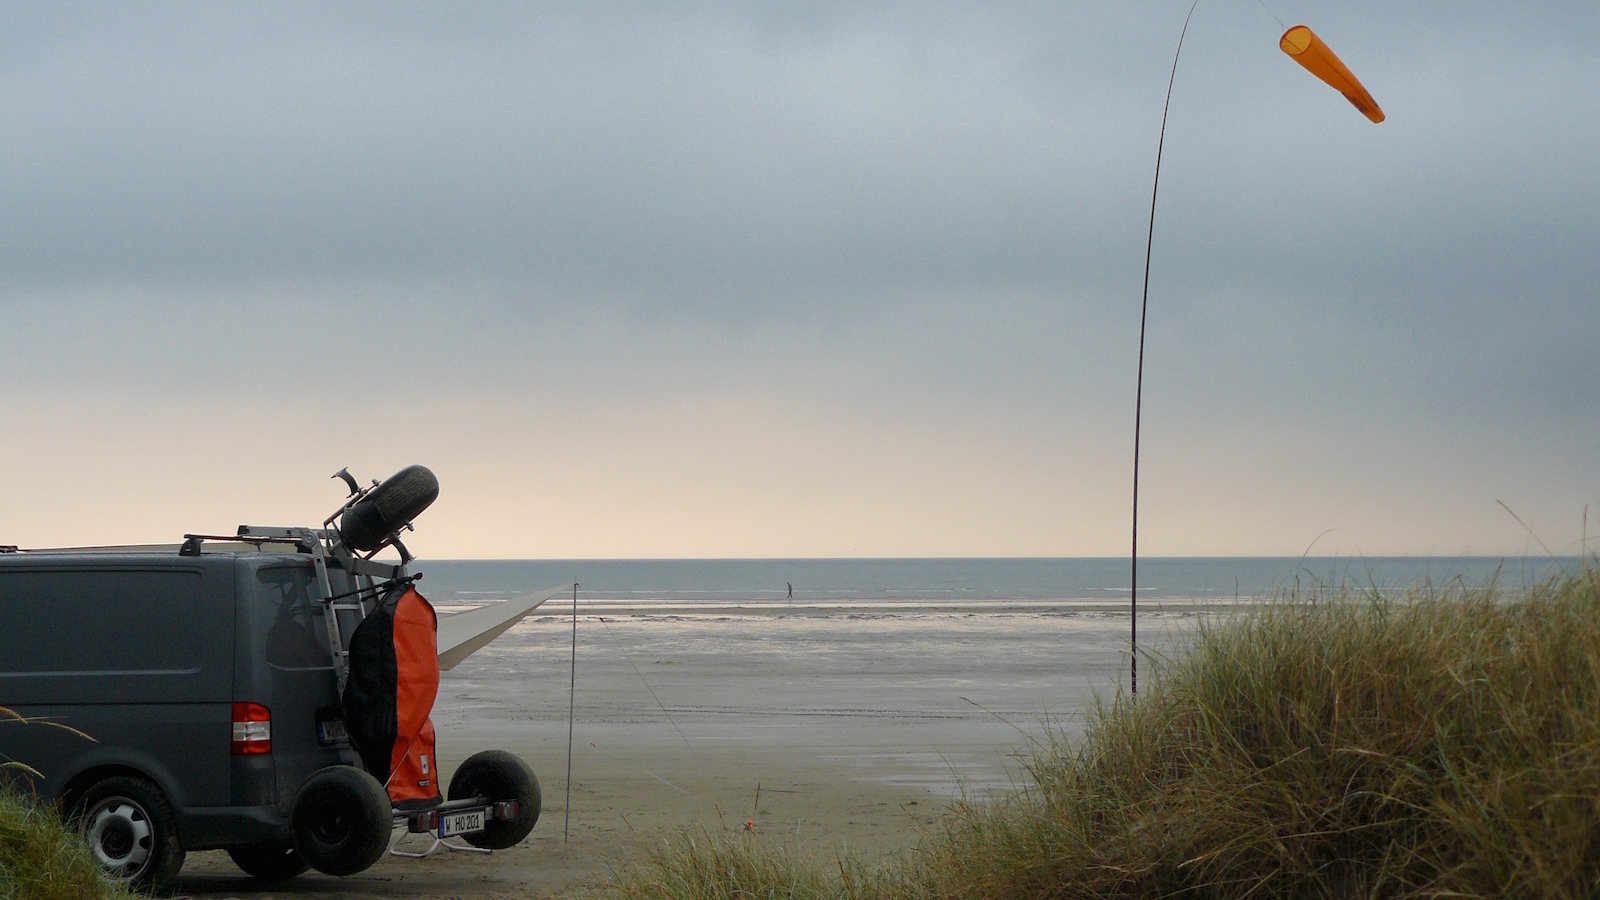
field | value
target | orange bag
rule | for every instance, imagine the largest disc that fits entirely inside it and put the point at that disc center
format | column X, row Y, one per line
column 394, row 679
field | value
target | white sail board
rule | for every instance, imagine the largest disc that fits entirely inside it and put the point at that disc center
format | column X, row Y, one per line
column 465, row 633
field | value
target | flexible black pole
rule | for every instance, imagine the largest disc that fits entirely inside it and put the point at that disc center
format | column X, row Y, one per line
column 572, row 707
column 1138, row 395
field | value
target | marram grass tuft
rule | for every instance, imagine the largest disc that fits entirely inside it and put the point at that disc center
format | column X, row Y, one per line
column 1440, row 744
column 40, row 859
column 706, row 866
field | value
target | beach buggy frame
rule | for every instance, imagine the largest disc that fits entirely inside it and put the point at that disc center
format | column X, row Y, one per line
column 494, row 798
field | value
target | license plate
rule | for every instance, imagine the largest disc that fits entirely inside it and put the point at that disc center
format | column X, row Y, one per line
column 460, row 823
column 331, row 731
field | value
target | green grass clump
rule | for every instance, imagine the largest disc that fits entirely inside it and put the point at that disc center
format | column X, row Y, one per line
column 1443, row 744
column 40, row 859
column 713, row 867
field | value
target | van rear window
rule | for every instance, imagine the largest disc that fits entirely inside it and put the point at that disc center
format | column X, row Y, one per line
column 298, row 635
column 100, row 622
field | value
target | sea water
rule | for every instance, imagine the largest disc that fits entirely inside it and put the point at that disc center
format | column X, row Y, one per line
column 924, row 672
column 719, row 581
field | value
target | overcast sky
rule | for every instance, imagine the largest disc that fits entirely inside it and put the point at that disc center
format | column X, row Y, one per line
column 828, row 279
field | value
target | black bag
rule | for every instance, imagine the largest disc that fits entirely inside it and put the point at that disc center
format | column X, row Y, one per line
column 369, row 694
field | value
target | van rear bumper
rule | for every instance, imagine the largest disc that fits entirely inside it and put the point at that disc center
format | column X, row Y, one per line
column 215, row 827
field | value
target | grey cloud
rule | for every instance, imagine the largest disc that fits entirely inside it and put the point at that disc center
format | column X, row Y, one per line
column 730, row 155
column 721, row 156
column 634, row 153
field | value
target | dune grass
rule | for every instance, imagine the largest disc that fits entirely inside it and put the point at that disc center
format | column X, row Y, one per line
column 1441, row 744
column 702, row 864
column 40, row 859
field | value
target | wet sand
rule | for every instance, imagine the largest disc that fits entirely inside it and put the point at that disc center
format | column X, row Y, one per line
column 858, row 724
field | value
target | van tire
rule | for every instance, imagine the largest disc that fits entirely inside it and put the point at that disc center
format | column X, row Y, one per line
column 341, row 820
column 500, row 776
column 131, row 831
column 269, row 862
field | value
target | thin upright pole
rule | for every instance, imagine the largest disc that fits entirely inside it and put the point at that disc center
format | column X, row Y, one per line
column 1138, row 396
column 572, row 708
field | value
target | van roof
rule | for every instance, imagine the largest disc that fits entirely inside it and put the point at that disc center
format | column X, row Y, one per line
column 208, row 548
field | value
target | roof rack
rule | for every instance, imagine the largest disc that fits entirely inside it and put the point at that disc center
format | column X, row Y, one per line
column 98, row 548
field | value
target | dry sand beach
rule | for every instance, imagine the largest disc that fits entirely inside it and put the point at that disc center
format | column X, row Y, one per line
column 857, row 723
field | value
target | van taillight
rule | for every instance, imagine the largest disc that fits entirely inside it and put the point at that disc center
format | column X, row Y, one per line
column 252, row 729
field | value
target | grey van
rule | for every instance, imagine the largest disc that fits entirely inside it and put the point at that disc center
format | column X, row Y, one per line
column 188, row 697
column 179, row 702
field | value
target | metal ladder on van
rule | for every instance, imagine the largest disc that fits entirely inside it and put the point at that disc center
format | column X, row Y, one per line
column 326, row 547
column 327, row 551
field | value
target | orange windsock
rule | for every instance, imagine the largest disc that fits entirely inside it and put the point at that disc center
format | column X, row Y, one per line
column 1308, row 50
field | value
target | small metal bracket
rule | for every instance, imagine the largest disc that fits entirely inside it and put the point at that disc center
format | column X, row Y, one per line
column 401, row 834
column 304, row 538
column 349, row 480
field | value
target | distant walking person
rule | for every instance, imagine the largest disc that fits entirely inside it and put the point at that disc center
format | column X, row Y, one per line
column 791, row 590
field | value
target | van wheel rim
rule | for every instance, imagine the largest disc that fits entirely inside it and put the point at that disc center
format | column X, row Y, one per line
column 120, row 837
column 332, row 824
